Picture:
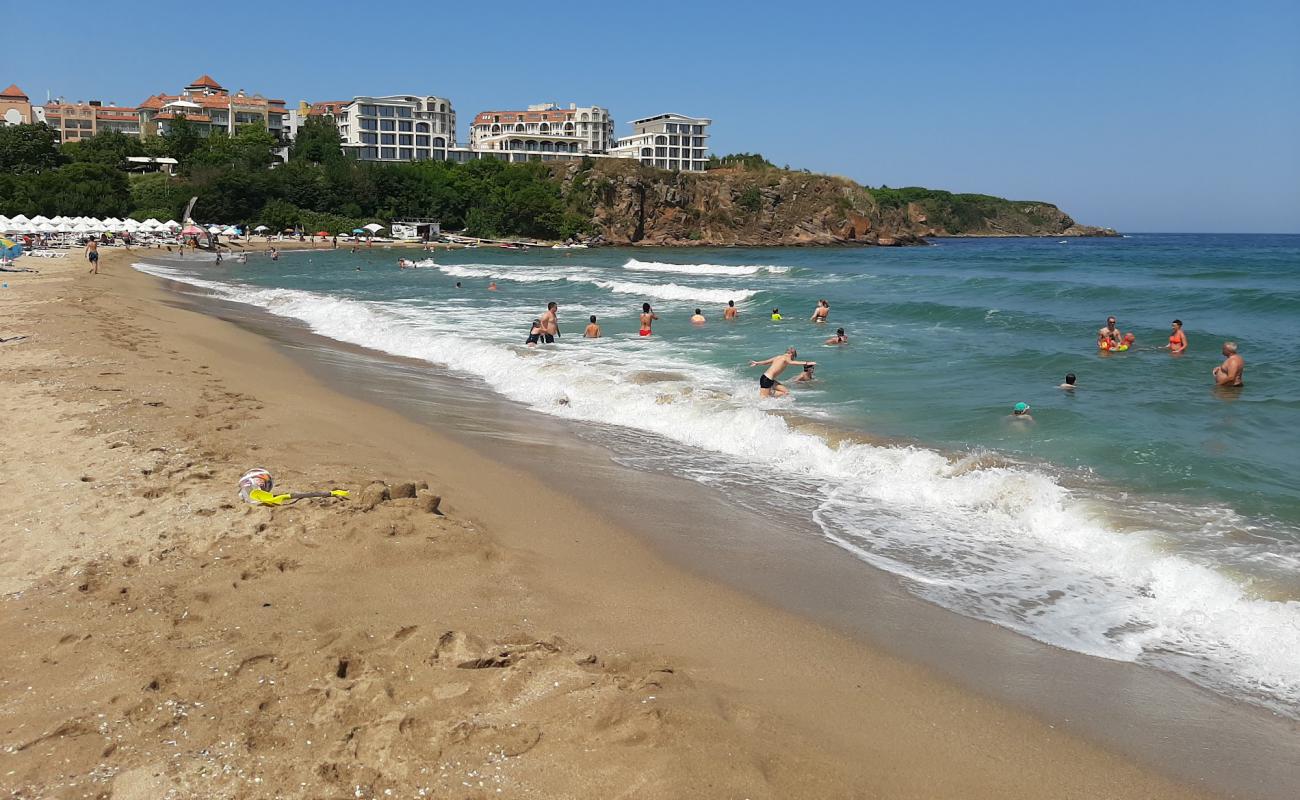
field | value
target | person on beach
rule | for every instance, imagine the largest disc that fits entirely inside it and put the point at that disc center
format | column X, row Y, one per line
column 697, row 318
column 838, row 338
column 535, row 334
column 1177, row 339
column 730, row 311
column 776, row 315
column 92, row 255
column 593, row 330
column 1020, row 413
column 768, row 385
column 822, row 312
column 550, row 323
column 647, row 319
column 1109, row 336
column 1230, row 371
column 1068, row 386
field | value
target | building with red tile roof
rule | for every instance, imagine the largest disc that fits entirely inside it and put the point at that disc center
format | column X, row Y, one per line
column 76, row 121
column 15, row 107
column 211, row 106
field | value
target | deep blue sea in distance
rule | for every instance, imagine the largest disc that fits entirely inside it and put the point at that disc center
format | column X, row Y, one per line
column 1148, row 516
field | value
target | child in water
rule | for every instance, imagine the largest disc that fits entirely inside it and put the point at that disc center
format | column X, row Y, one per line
column 776, row 315
column 1021, row 413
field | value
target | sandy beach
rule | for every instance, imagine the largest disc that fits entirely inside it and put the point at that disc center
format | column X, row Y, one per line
column 166, row 640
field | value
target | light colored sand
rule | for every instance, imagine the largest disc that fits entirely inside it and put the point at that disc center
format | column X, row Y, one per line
column 163, row 640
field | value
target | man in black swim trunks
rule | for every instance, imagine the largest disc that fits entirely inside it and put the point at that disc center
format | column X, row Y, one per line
column 768, row 385
column 550, row 325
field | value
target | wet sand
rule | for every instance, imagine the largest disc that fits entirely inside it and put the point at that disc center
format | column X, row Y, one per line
column 165, row 637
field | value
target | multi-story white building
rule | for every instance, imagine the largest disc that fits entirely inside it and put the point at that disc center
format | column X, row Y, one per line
column 667, row 141
column 391, row 128
column 545, row 130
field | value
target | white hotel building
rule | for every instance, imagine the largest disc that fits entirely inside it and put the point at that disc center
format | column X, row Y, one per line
column 390, row 128
column 543, row 130
column 667, row 141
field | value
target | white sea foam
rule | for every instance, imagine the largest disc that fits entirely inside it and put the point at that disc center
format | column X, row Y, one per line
column 548, row 274
column 671, row 291
column 1004, row 543
column 701, row 269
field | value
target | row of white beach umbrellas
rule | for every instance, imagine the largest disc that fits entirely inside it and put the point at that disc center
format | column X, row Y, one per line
column 61, row 224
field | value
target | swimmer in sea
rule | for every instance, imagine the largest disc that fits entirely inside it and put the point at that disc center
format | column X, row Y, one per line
column 647, row 319
column 550, row 323
column 1068, row 386
column 1230, row 371
column 593, row 330
column 492, row 286
column 776, row 315
column 534, row 334
column 730, row 311
column 458, row 286
column 768, row 385
column 807, row 375
column 1177, row 339
column 1109, row 336
column 697, row 318
column 1021, row 413
column 822, row 312
column 838, row 338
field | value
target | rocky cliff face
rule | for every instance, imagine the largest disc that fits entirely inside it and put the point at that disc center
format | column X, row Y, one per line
column 632, row 204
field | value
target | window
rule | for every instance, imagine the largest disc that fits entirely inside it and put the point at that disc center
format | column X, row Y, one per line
column 408, row 153
column 422, row 141
column 646, row 151
column 404, row 126
column 369, row 138
column 439, row 142
column 404, row 112
column 423, row 154
column 405, row 138
column 388, row 152
column 661, row 140
column 367, row 111
column 659, row 162
column 699, row 141
column 673, row 165
column 369, row 153
column 421, row 127
column 673, row 152
column 369, row 124
column 699, row 129
column 388, row 138
column 671, row 127
column 387, row 125
column 661, row 151
column 385, row 111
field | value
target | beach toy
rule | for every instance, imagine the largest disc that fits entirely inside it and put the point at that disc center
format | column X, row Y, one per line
column 255, row 489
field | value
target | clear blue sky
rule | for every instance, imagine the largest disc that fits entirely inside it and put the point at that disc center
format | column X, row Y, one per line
column 1142, row 115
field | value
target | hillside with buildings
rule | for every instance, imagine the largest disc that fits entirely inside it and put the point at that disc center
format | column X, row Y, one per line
column 629, row 203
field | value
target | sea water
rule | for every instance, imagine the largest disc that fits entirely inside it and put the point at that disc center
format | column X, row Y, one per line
column 1146, row 517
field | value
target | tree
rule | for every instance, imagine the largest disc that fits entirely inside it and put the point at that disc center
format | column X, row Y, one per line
column 181, row 140
column 157, row 195
column 317, row 142
column 106, row 147
column 28, row 148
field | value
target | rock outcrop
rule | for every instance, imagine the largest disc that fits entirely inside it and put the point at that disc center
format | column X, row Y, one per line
column 630, row 204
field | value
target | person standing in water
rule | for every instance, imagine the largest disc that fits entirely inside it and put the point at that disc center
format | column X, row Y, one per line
column 593, row 330
column 550, row 323
column 1109, row 335
column 776, row 315
column 647, row 319
column 768, row 385
column 730, row 311
column 1177, row 339
column 822, row 312
column 697, row 318
column 1230, row 371
column 534, row 333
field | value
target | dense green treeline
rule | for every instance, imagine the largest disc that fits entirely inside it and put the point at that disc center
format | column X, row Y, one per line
column 238, row 180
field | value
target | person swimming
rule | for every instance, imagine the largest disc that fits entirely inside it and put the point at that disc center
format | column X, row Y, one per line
column 534, row 333
column 838, row 338
column 647, row 319
column 697, row 318
column 1020, row 413
column 807, row 375
column 593, row 330
column 730, row 311
column 1109, row 336
column 776, row 315
column 1069, row 382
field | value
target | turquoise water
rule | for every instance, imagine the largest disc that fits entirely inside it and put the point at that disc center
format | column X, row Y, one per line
column 1147, row 516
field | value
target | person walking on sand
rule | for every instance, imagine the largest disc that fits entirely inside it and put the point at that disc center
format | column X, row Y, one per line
column 697, row 318
column 1177, row 339
column 550, row 323
column 593, row 330
column 768, row 385
column 647, row 319
column 730, row 311
column 1230, row 371
column 838, row 338
column 92, row 255
column 822, row 312
column 1109, row 335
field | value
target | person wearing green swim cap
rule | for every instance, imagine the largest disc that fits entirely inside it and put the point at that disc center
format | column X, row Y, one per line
column 1021, row 412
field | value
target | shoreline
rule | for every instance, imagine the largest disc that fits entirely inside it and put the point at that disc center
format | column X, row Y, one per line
column 793, row 708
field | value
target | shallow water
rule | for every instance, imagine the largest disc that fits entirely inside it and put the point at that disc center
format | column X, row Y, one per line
column 1145, row 518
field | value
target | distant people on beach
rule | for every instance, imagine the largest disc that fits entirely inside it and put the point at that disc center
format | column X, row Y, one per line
column 768, row 383
column 1230, row 371
column 92, row 255
column 1109, row 335
column 697, row 318
column 550, row 322
column 821, row 314
column 647, row 319
column 1069, row 385
column 1020, row 413
column 1177, row 339
column 593, row 330
column 730, row 311
column 838, row 338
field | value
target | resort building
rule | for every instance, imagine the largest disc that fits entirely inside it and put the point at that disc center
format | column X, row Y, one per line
column 15, row 108
column 76, row 121
column 544, row 130
column 667, row 141
column 210, row 106
column 396, row 127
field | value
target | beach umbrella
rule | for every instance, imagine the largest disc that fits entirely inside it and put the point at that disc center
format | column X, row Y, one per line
column 193, row 230
column 358, row 230
column 39, row 220
column 81, row 227
column 260, row 228
column 374, row 227
column 112, row 223
column 322, row 233
column 19, row 220
column 131, row 225
column 171, row 224
column 9, row 248
column 63, row 227
column 230, row 231
column 44, row 227
column 96, row 225
column 151, row 224
column 214, row 229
